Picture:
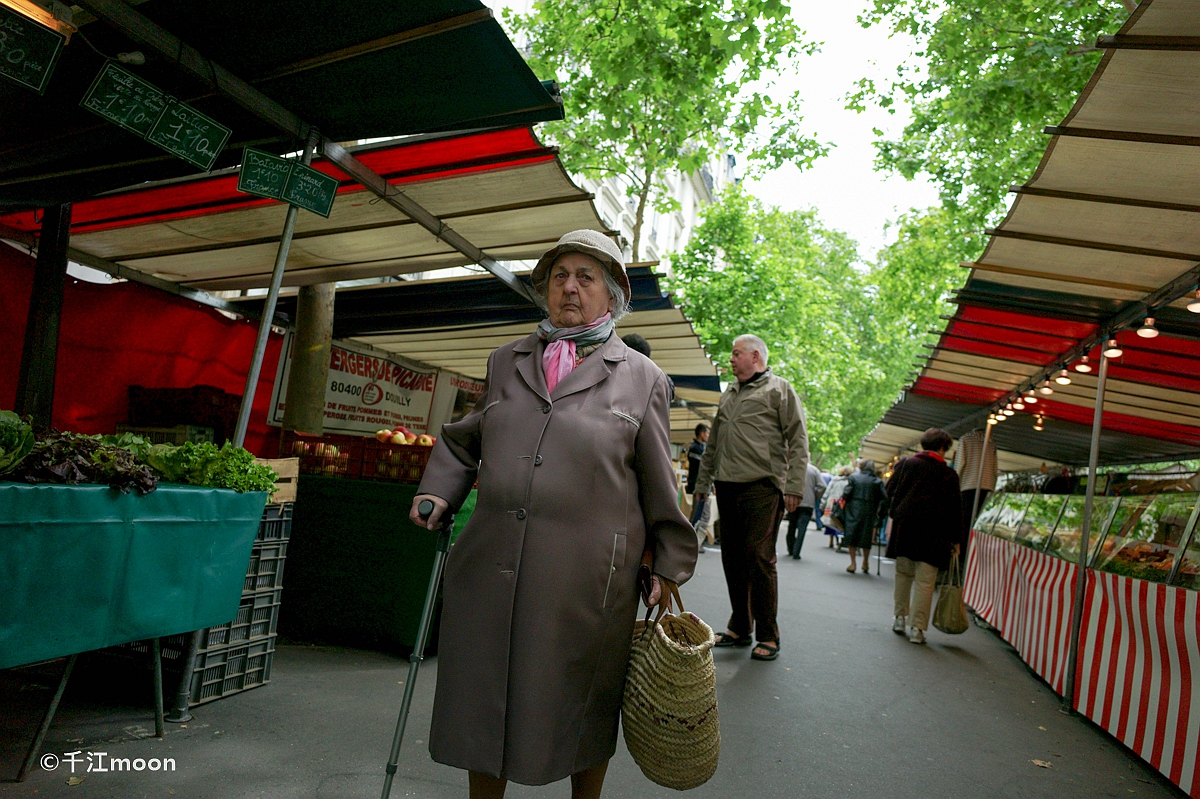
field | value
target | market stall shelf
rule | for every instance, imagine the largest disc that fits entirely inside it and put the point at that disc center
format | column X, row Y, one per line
column 86, row 567
column 1139, row 664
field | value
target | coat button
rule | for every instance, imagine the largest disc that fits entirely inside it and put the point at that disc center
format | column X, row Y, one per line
column 537, row 460
column 521, row 514
column 545, row 409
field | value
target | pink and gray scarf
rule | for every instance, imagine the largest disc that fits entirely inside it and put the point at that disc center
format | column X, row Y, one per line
column 558, row 360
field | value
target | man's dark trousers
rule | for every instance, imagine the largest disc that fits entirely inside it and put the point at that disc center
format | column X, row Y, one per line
column 797, row 526
column 750, row 517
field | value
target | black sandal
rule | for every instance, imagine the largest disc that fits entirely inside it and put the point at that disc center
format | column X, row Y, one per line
column 725, row 639
column 772, row 652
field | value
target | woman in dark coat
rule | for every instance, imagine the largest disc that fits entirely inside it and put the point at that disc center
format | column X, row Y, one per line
column 864, row 497
column 927, row 526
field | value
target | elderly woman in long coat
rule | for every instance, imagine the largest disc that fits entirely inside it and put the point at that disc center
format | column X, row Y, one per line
column 570, row 446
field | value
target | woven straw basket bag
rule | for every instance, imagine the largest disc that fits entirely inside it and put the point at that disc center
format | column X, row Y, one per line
column 669, row 712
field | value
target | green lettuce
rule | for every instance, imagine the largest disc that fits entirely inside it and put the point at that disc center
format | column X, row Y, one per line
column 16, row 440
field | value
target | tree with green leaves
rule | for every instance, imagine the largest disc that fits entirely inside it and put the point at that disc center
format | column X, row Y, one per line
column 654, row 87
column 986, row 79
column 800, row 286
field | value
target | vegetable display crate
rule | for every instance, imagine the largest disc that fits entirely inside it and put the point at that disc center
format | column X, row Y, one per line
column 266, row 566
column 230, row 670
column 85, row 567
column 178, row 435
column 357, row 457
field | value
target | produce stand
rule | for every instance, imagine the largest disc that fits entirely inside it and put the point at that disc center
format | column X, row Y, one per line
column 357, row 567
column 85, row 567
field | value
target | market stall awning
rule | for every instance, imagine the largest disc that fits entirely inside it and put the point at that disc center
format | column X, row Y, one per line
column 354, row 70
column 1105, row 233
column 503, row 190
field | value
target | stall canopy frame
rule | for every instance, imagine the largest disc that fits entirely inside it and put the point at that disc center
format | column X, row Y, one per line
column 1103, row 235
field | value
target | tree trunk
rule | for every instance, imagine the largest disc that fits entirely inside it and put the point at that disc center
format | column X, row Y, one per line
column 643, row 195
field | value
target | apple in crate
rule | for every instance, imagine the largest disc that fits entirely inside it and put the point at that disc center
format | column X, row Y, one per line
column 383, row 435
column 398, row 438
column 401, row 429
column 410, row 439
column 425, row 440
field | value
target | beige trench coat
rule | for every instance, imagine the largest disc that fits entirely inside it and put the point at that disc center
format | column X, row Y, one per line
column 540, row 589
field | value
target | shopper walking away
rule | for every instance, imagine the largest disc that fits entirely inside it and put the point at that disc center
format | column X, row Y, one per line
column 798, row 519
column 757, row 460
column 825, row 478
column 831, row 506
column 695, row 453
column 977, row 471
column 865, row 497
column 541, row 587
column 926, row 513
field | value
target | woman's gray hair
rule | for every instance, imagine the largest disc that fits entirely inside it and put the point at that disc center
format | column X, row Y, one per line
column 753, row 343
column 621, row 303
column 866, row 465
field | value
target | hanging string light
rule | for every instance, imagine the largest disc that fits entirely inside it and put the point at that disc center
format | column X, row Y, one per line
column 1046, row 388
column 1039, row 423
column 1148, row 330
column 1031, row 398
column 1112, row 349
column 1194, row 305
column 1018, row 405
column 1064, row 378
column 991, row 418
column 1084, row 365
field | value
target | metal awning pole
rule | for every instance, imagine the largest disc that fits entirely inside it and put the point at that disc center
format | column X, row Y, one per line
column 268, row 312
column 1068, row 703
column 179, row 713
column 987, row 437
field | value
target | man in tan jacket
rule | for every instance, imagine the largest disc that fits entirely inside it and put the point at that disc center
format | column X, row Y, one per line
column 757, row 459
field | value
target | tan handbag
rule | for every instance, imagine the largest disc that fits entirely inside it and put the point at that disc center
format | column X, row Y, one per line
column 669, row 711
column 950, row 613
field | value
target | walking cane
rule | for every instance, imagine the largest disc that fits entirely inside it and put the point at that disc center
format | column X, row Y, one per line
column 418, row 653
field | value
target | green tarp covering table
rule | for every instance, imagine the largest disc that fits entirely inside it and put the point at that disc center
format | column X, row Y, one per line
column 85, row 567
column 358, row 568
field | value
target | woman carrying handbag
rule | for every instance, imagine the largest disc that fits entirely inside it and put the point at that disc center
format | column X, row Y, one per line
column 927, row 529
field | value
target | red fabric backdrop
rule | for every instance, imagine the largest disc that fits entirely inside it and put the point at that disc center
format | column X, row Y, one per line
column 115, row 336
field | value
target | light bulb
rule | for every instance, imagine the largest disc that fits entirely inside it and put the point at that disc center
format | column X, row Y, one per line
column 1046, row 388
column 1037, row 425
column 1020, row 406
column 1064, row 378
column 1008, row 412
column 991, row 420
column 1084, row 365
column 1031, row 398
column 1112, row 349
column 1148, row 330
column 1194, row 305
column 1000, row 417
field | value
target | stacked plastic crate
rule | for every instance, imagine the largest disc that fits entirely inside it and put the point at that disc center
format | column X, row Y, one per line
column 237, row 655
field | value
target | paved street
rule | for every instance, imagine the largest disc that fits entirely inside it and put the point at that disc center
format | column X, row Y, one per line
column 848, row 710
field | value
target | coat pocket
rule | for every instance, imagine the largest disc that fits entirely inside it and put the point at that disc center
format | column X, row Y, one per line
column 618, row 563
column 631, row 419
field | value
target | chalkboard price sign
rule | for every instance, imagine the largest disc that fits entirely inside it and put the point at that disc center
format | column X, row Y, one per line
column 263, row 174
column 125, row 99
column 28, row 50
column 311, row 190
column 185, row 132
column 142, row 108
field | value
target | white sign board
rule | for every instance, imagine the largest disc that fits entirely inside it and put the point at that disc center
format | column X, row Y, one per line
column 365, row 391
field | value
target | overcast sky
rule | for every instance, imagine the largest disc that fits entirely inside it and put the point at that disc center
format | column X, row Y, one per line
column 842, row 186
